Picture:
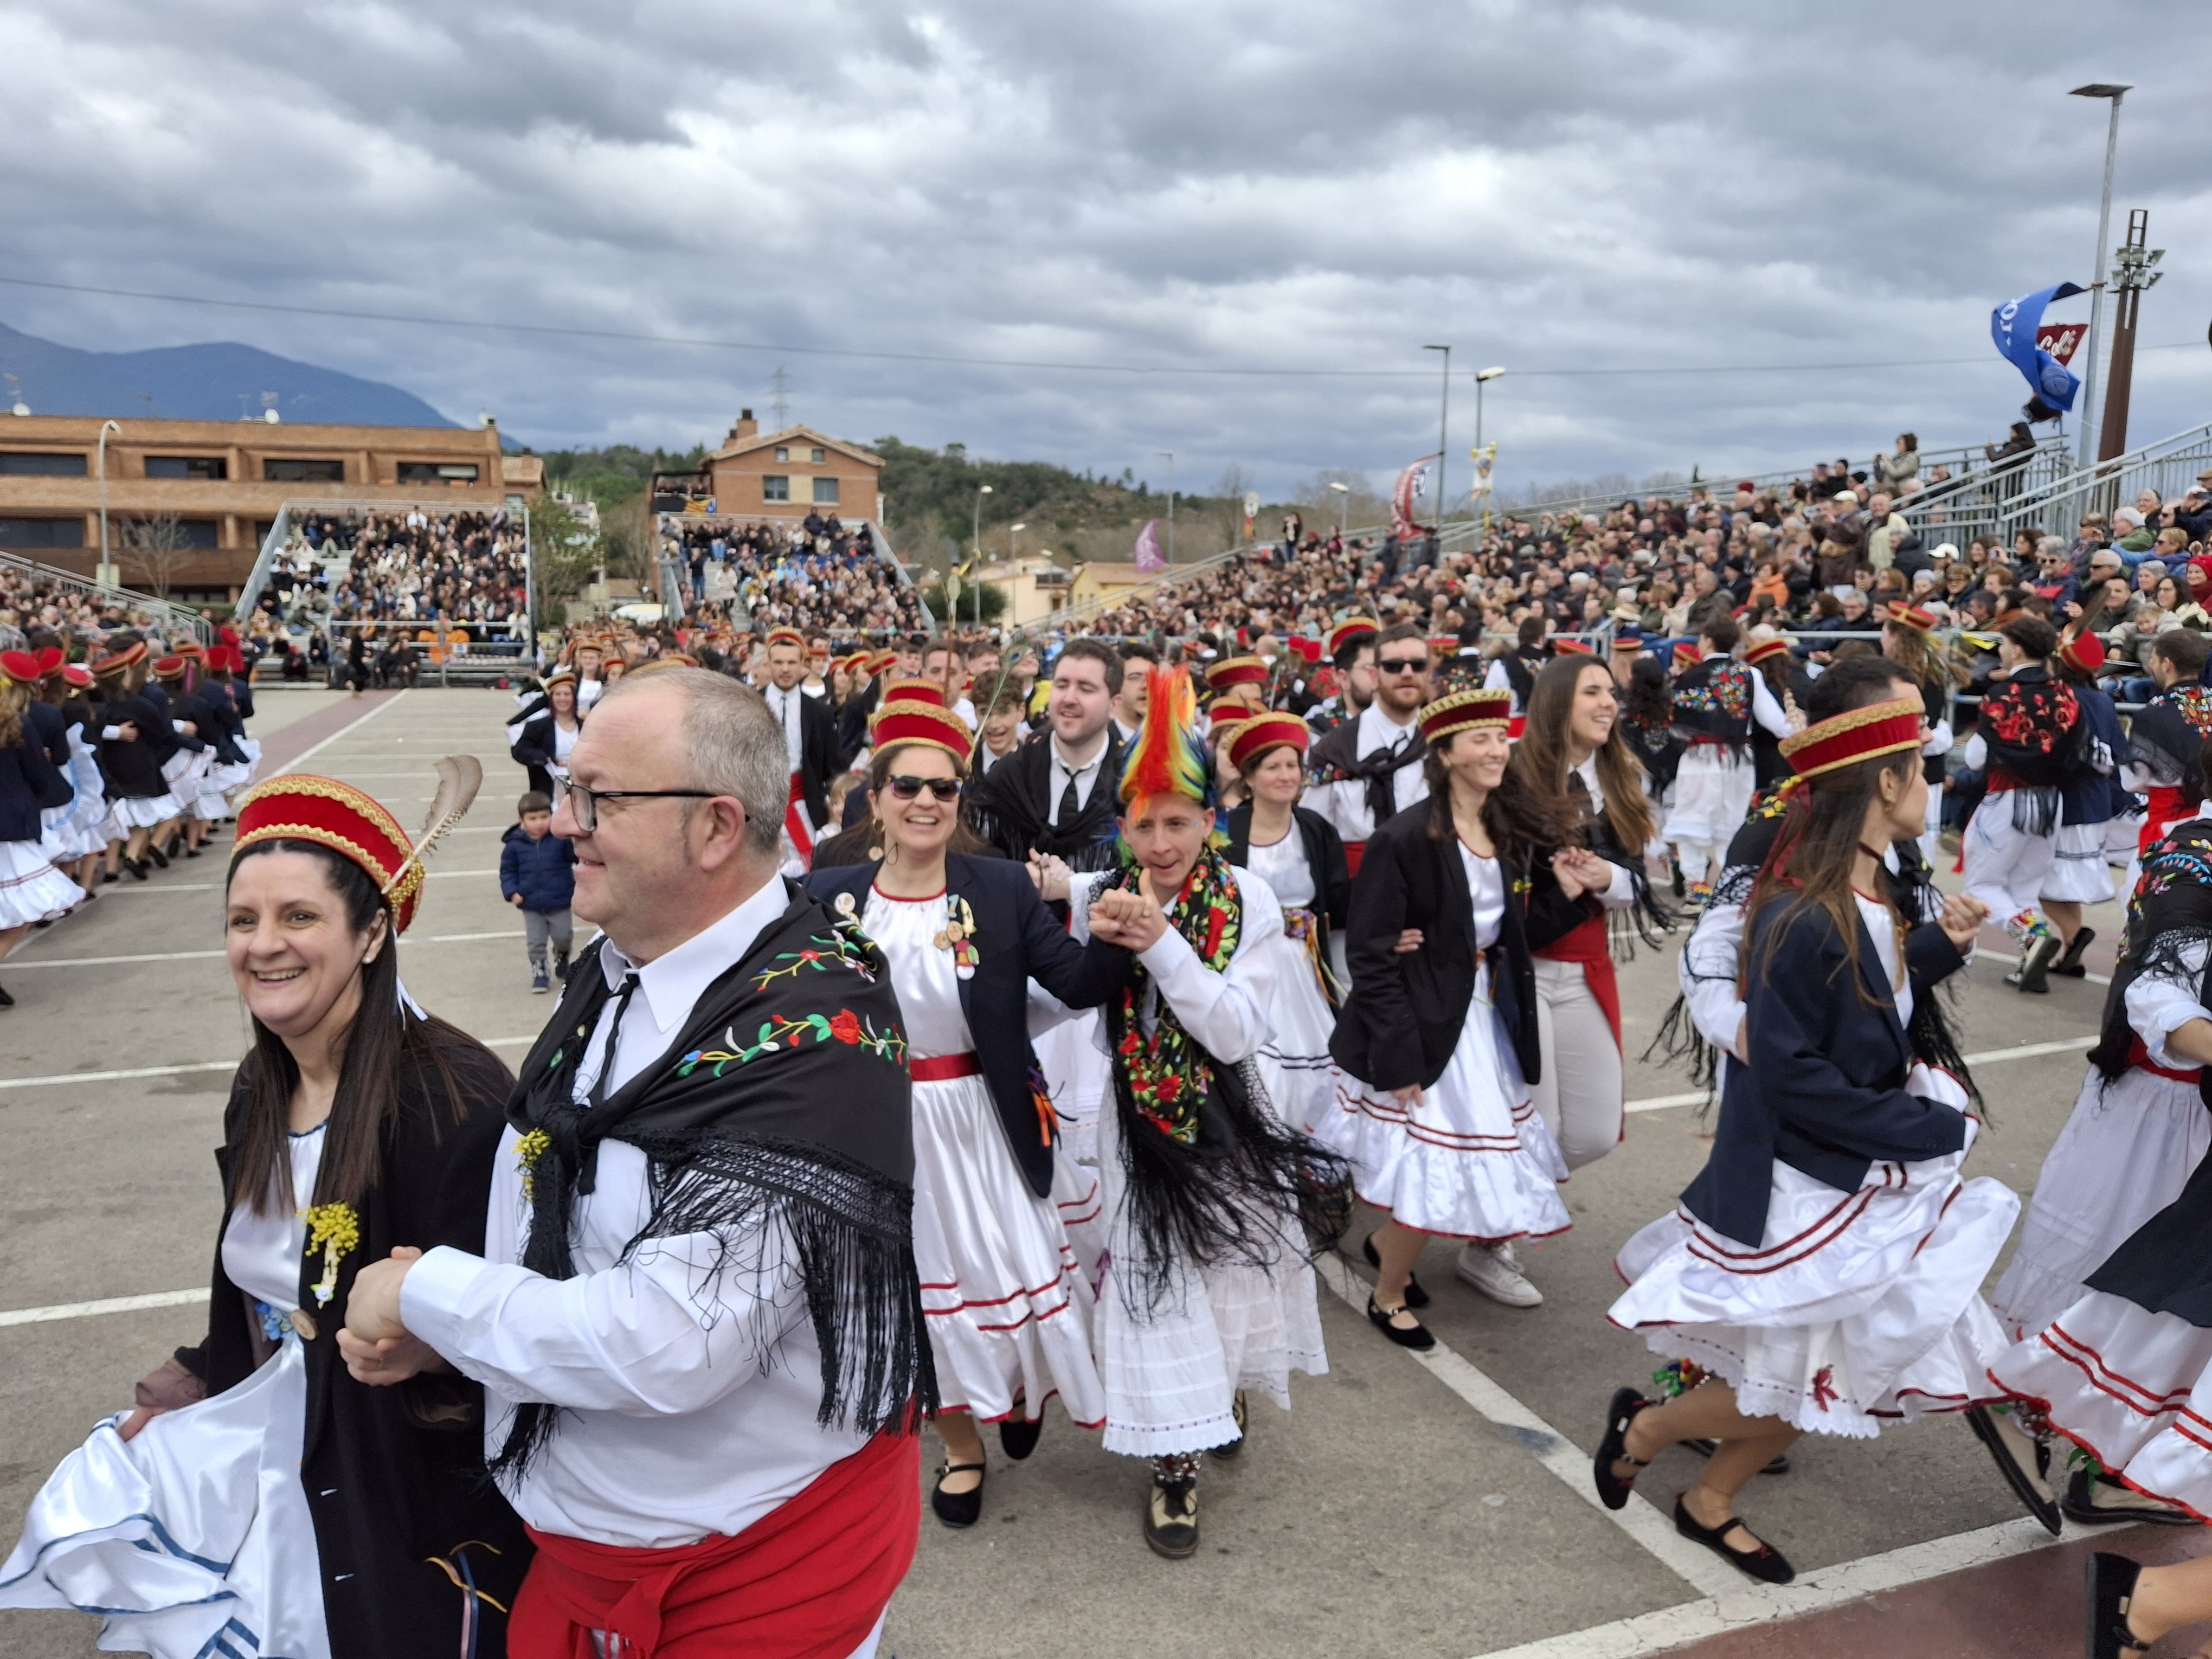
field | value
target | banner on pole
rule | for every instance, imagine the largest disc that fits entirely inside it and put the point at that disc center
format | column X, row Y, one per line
column 1484, row 459
column 1149, row 557
column 2013, row 328
column 1251, row 511
column 2061, row 340
column 1412, row 484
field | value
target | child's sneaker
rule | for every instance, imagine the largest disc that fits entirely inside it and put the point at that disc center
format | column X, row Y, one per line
column 539, row 983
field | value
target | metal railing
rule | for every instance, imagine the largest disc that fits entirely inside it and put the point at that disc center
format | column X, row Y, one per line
column 2053, row 499
column 171, row 616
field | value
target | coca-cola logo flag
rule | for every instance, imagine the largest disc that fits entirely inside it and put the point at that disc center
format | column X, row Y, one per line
column 2012, row 326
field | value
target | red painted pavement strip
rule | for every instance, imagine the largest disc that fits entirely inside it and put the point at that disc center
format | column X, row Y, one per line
column 280, row 749
column 2025, row 1607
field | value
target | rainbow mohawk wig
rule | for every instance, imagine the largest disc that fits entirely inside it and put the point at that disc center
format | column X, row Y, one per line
column 1167, row 757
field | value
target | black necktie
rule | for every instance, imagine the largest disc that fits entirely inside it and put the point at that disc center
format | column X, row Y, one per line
column 598, row 1094
column 1071, row 806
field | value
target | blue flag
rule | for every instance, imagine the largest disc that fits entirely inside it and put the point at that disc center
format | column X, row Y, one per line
column 2012, row 326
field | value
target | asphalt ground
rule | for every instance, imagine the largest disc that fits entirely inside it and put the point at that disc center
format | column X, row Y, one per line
column 1433, row 1508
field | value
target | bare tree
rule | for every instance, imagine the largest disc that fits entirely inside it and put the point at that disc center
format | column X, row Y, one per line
column 156, row 546
column 1234, row 482
column 1355, row 507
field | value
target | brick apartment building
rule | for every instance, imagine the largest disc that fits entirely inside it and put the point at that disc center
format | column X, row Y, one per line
column 205, row 493
column 777, row 475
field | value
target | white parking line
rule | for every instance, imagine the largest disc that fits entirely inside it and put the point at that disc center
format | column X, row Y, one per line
column 15, row 965
column 112, row 1304
column 126, row 1075
column 1987, row 1057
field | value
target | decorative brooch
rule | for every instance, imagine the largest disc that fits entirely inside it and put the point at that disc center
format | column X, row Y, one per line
column 846, row 908
column 958, row 937
column 527, row 1150
column 336, row 1230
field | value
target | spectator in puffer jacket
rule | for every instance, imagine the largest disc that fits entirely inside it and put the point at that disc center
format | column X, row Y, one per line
column 538, row 876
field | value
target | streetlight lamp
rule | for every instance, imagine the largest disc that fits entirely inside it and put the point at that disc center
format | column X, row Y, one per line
column 1169, row 453
column 1343, row 507
column 2113, row 93
column 1444, row 425
column 976, row 539
column 108, row 575
column 1481, row 377
column 1013, row 554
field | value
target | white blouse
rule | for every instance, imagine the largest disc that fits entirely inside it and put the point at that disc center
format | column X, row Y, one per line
column 262, row 1253
column 1485, row 884
column 1283, row 866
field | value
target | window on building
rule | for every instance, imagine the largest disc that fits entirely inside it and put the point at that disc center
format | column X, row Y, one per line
column 775, row 487
column 261, row 529
column 41, row 532
column 39, row 464
column 444, row 472
column 294, row 470
column 199, row 532
column 782, row 453
column 825, row 492
column 819, row 456
column 207, row 468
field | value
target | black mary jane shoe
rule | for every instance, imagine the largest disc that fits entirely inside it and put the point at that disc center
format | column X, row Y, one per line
column 1018, row 1436
column 1766, row 1564
column 6, row 1001
column 956, row 1509
column 1415, row 1296
column 2111, row 1588
column 136, row 868
column 2027, row 1482
column 160, row 859
column 1416, row 1337
column 191, row 852
column 1612, row 1491
column 2069, row 965
column 1777, row 1464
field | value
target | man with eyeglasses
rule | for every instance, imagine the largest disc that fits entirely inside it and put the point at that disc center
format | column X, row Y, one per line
column 699, row 1417
column 1368, row 771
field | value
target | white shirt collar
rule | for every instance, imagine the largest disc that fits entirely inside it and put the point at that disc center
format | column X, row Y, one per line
column 1378, row 731
column 1059, row 757
column 672, row 983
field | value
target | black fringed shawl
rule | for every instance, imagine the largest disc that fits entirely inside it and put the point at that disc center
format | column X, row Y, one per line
column 781, row 1111
column 1217, row 1179
column 2169, row 913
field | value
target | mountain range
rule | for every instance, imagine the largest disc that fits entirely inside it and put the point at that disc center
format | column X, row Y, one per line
column 219, row 381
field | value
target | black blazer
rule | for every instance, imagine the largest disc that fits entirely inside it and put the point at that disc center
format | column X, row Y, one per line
column 1405, row 1013
column 818, row 755
column 1822, row 1089
column 396, row 1474
column 1016, row 940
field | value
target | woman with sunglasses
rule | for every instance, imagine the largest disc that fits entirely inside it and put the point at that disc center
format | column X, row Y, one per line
column 1007, row 1307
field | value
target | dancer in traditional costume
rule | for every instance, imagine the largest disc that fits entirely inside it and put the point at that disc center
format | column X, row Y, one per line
column 1209, row 1290
column 809, row 740
column 1350, row 648
column 1437, row 1046
column 1573, row 750
column 1008, row 1309
column 1908, row 639
column 2166, row 738
column 1296, row 852
column 182, row 752
column 258, row 1500
column 1787, row 682
column 31, row 890
column 1715, row 702
column 1516, row 671
column 130, row 729
column 2031, row 738
column 1825, row 1267
column 1368, row 771
column 2088, row 800
column 696, row 1314
column 73, row 835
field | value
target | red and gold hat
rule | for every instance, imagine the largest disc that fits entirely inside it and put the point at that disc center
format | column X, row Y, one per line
column 189, row 649
column 115, row 661
column 1349, row 630
column 50, row 662
column 168, row 668
column 1880, row 728
column 1565, row 647
column 21, row 666
column 895, row 725
column 1687, row 655
column 1464, row 711
column 909, row 689
column 1236, row 671
column 78, row 676
column 1262, row 733
column 666, row 659
column 881, row 660
column 1905, row 615
column 1443, row 645
column 301, row 807
column 1227, row 712
column 1764, row 650
column 786, row 636
column 2084, row 653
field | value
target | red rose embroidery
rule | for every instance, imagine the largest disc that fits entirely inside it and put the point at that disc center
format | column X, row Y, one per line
column 845, row 1026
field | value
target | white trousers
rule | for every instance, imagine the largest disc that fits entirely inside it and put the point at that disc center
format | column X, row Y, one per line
column 2006, row 867
column 1712, row 793
column 1580, row 1097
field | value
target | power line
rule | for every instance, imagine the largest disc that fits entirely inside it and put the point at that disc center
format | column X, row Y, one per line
column 1135, row 369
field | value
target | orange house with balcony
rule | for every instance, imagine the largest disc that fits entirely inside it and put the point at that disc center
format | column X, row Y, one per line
column 791, row 473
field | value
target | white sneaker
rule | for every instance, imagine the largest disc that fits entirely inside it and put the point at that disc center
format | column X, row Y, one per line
column 1492, row 1269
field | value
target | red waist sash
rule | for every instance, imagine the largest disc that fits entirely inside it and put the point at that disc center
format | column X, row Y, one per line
column 1353, row 851
column 2162, row 804
column 794, row 820
column 2139, row 1057
column 808, row 1580
column 1589, row 946
column 943, row 1068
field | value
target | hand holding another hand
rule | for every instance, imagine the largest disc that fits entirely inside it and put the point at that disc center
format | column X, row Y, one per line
column 373, row 1303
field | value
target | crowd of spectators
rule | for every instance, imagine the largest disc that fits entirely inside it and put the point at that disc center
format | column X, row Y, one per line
column 466, row 568
column 46, row 605
column 808, row 574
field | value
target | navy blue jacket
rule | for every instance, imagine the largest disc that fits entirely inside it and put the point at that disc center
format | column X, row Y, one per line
column 1016, row 940
column 1823, row 1088
column 2091, row 796
column 50, row 726
column 542, row 871
column 29, row 781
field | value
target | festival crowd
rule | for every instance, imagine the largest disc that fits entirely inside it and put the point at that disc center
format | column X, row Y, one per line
column 813, row 573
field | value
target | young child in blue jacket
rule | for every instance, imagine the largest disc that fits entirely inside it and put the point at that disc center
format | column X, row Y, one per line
column 538, row 876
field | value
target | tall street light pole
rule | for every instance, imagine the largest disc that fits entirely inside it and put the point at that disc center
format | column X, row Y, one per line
column 1482, row 377
column 1443, row 448
column 107, row 571
column 2112, row 92
column 1013, row 557
column 1169, row 453
column 1343, row 506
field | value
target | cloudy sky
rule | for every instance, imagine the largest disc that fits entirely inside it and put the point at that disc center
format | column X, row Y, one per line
column 1122, row 193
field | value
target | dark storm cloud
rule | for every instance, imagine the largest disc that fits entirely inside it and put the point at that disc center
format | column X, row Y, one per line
column 1231, row 184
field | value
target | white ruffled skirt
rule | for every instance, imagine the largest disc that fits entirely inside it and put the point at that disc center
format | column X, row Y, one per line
column 128, row 812
column 1856, row 1307
column 31, row 889
column 2079, row 873
column 222, row 780
column 1006, row 1303
column 1472, row 1158
column 1295, row 1064
column 192, row 1539
column 2124, row 1155
column 1172, row 1370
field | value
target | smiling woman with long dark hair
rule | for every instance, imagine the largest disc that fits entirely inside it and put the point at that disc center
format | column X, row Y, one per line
column 357, row 1522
